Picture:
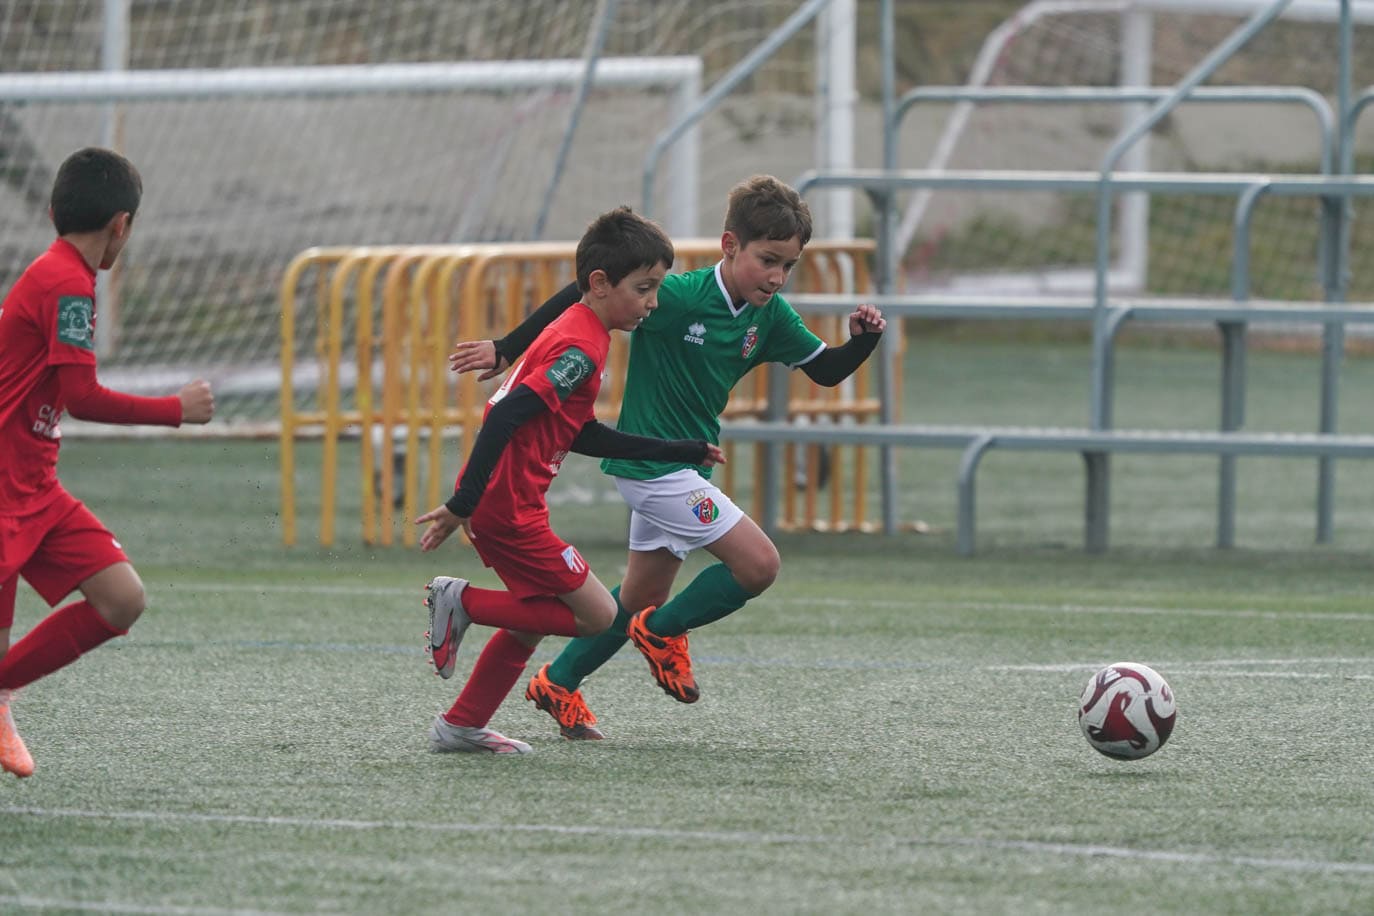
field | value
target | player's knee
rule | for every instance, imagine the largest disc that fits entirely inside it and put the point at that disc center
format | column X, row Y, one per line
column 757, row 575
column 595, row 622
column 121, row 611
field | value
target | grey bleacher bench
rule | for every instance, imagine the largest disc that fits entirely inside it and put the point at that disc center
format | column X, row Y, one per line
column 1093, row 445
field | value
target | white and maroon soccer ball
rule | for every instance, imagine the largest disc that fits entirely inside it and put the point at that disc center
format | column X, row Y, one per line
column 1127, row 711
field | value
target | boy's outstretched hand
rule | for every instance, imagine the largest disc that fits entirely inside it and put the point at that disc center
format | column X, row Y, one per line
column 866, row 319
column 470, row 355
column 197, row 402
column 442, row 523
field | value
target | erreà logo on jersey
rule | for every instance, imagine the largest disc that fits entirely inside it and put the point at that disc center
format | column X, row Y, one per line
column 696, row 333
column 751, row 341
column 703, row 507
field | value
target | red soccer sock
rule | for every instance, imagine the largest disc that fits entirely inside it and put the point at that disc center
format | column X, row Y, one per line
column 546, row 616
column 59, row 639
column 498, row 668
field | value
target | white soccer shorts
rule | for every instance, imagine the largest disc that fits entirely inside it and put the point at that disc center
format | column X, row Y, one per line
column 680, row 511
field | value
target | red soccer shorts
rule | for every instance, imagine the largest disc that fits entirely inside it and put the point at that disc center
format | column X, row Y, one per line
column 55, row 549
column 530, row 562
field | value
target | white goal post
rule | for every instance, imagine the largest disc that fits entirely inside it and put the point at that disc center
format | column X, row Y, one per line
column 244, row 167
column 680, row 76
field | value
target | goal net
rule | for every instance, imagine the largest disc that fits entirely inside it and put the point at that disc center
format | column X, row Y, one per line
column 1173, row 244
column 264, row 127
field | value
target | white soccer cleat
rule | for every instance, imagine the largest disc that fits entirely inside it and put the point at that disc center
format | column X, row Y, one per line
column 447, row 621
column 463, row 739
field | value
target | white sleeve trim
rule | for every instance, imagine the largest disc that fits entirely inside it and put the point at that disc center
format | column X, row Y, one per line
column 814, row 353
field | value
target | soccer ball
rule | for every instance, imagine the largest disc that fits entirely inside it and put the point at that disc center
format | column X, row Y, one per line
column 1127, row 711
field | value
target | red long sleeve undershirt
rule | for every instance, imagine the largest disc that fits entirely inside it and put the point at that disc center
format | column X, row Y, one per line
column 87, row 399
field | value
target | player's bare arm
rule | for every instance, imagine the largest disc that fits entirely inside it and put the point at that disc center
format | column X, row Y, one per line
column 197, row 402
column 442, row 522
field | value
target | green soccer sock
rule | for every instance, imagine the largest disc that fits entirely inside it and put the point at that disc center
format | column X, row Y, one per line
column 713, row 594
column 585, row 654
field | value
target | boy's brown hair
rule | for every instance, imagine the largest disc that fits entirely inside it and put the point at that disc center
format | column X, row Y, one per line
column 762, row 207
column 619, row 243
column 92, row 186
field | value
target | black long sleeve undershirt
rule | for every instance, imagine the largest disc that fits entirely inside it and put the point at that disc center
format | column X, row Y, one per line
column 595, row 439
column 830, row 367
column 519, row 339
column 507, row 415
column 835, row 364
column 601, row 441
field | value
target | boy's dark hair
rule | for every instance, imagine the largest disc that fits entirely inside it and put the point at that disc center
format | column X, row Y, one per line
column 91, row 187
column 620, row 242
column 762, row 207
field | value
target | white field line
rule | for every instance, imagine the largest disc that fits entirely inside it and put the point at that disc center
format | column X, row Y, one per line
column 1211, row 667
column 1245, row 613
column 742, row 838
column 24, row 902
column 1193, row 671
column 1194, row 667
column 171, row 590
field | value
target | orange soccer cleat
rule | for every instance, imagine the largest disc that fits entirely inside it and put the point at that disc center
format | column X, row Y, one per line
column 668, row 660
column 14, row 756
column 575, row 720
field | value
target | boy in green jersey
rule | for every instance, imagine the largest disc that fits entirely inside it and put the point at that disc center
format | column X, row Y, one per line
column 712, row 326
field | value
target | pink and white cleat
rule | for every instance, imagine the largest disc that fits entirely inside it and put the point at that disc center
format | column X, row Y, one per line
column 466, row 739
column 447, row 621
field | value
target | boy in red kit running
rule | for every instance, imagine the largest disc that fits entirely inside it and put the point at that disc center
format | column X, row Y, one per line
column 543, row 411
column 47, row 366
column 712, row 327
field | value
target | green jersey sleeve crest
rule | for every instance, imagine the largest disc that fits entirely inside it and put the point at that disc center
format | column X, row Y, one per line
column 569, row 371
column 75, row 321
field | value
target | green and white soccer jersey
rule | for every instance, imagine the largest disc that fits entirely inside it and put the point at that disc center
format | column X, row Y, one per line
column 687, row 356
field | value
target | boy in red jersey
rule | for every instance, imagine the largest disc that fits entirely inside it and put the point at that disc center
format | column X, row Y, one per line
column 543, row 411
column 47, row 366
column 713, row 326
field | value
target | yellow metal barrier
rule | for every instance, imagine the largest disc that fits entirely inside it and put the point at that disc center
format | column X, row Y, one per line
column 392, row 314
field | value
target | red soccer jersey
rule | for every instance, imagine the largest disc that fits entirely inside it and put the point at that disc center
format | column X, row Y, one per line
column 563, row 366
column 47, row 320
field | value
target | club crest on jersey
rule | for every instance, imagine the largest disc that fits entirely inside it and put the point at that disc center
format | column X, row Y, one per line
column 556, row 464
column 570, row 370
column 76, row 321
column 696, row 333
column 751, row 340
column 574, row 559
column 703, row 507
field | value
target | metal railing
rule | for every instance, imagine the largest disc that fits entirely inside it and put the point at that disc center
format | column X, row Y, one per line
column 1333, row 186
